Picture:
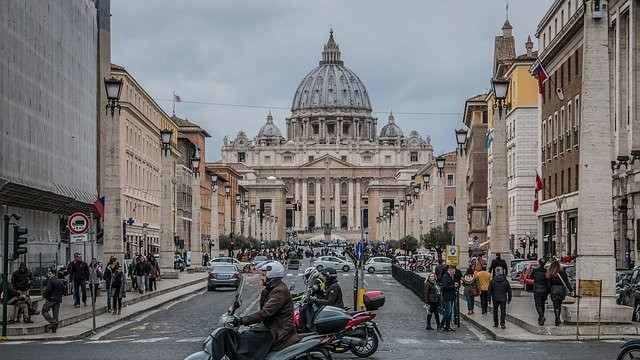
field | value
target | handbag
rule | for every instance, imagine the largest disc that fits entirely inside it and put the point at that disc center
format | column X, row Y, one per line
column 475, row 291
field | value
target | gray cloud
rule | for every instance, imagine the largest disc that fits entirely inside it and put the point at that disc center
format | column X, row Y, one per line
column 413, row 56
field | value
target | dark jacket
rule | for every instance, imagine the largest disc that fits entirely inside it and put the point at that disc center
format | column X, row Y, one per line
column 440, row 271
column 332, row 295
column 448, row 288
column 557, row 288
column 53, row 291
column 79, row 271
column 430, row 292
column 21, row 278
column 142, row 268
column 540, row 283
column 276, row 312
column 496, row 263
column 108, row 273
column 499, row 289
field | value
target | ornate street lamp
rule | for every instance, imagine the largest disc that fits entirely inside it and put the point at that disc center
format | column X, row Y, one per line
column 238, row 198
column 461, row 139
column 408, row 198
column 246, row 204
column 113, row 87
column 227, row 190
column 214, row 182
column 416, row 191
column 500, row 89
column 165, row 136
column 253, row 207
column 425, row 180
column 440, row 165
column 195, row 162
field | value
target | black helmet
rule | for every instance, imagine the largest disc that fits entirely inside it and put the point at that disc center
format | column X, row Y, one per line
column 331, row 273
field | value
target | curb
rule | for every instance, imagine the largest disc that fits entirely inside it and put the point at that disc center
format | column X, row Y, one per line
column 128, row 317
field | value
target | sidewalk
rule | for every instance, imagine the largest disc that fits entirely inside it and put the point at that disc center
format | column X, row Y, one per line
column 522, row 324
column 77, row 323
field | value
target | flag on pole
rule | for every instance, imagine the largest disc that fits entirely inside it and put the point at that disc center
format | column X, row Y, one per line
column 489, row 140
column 540, row 72
column 539, row 187
column 99, row 204
column 177, row 98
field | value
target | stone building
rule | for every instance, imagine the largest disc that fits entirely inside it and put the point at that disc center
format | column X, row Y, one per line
column 560, row 43
column 48, row 112
column 322, row 171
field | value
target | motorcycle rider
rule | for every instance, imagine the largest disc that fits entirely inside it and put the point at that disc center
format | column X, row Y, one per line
column 276, row 308
column 314, row 283
column 315, row 289
column 333, row 293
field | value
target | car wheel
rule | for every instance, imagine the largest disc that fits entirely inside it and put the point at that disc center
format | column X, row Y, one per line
column 371, row 270
column 345, row 268
column 319, row 267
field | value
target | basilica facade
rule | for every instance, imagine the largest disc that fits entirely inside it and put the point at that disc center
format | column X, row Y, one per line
column 332, row 167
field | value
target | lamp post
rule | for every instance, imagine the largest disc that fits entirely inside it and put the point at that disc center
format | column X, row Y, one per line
column 460, row 215
column 196, row 238
column 165, row 136
column 499, row 190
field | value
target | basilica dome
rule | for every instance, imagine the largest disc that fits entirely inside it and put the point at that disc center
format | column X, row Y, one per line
column 331, row 85
column 391, row 130
column 269, row 130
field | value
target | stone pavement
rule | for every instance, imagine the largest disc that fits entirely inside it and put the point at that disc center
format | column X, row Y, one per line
column 78, row 323
column 522, row 323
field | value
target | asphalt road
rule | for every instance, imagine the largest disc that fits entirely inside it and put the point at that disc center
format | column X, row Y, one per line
column 179, row 328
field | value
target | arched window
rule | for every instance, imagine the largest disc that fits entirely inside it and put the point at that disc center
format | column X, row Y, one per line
column 312, row 189
column 343, row 189
column 450, row 213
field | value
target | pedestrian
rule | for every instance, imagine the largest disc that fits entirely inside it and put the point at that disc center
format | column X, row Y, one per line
column 140, row 272
column 154, row 274
column 540, row 290
column 484, row 278
column 21, row 303
column 108, row 273
column 496, row 263
column 439, row 270
column 118, row 289
column 79, row 272
column 471, row 289
column 432, row 299
column 53, row 296
column 21, row 281
column 95, row 277
column 449, row 289
column 500, row 294
column 558, row 286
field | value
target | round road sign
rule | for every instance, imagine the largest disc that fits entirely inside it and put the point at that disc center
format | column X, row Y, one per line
column 78, row 223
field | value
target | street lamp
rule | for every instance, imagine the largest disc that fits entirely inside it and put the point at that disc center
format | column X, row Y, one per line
column 416, row 191
column 500, row 88
column 461, row 139
column 113, row 87
column 214, row 182
column 227, row 190
column 440, row 165
column 195, row 161
column 425, row 180
column 238, row 197
column 165, row 135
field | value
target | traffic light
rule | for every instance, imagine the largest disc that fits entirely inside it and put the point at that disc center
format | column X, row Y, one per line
column 19, row 239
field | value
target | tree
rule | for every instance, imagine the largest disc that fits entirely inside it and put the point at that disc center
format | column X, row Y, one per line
column 438, row 238
column 410, row 242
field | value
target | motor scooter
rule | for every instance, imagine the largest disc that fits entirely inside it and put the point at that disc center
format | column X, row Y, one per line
column 630, row 350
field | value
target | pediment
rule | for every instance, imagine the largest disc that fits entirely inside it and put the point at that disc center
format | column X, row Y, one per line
column 334, row 163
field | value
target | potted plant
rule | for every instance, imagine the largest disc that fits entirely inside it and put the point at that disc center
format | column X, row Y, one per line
column 294, row 263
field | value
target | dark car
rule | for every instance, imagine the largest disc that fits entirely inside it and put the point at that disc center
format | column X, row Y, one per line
column 224, row 276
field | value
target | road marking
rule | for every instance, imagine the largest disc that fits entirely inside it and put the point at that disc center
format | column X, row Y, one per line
column 61, row 342
column 14, row 342
column 379, row 275
column 450, row 341
column 345, row 275
column 407, row 341
column 614, row 341
column 476, row 332
column 101, row 341
column 253, row 303
column 190, row 340
column 152, row 340
column 289, row 274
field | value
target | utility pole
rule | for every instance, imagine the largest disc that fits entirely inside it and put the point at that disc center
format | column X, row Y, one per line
column 5, row 270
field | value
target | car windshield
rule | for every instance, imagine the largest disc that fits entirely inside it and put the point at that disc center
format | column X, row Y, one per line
column 223, row 269
column 260, row 258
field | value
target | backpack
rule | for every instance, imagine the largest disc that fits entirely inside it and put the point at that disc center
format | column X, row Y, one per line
column 117, row 281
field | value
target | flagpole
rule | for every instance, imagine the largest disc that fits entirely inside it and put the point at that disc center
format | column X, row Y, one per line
column 174, row 103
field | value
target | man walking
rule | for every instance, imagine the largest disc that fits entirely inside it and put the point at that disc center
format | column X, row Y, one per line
column 449, row 288
column 141, row 273
column 500, row 294
column 498, row 262
column 79, row 272
column 540, row 290
column 53, row 296
column 484, row 278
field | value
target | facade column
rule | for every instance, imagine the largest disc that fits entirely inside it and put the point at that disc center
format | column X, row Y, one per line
column 305, row 204
column 296, row 197
column 336, row 204
column 113, row 237
column 460, row 214
column 319, row 222
column 167, row 246
column 499, row 193
column 237, row 229
column 196, row 239
column 350, row 205
column 215, row 218
column 358, row 214
column 227, row 214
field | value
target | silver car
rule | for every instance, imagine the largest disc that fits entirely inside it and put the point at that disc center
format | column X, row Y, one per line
column 333, row 262
column 379, row 263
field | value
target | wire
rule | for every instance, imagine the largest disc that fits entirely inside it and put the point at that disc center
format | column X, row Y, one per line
column 286, row 108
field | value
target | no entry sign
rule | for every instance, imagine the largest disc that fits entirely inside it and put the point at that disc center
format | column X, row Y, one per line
column 78, row 223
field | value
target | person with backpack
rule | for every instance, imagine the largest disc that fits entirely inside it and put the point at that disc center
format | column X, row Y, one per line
column 108, row 273
column 471, row 289
column 432, row 299
column 118, row 288
column 95, row 277
column 154, row 274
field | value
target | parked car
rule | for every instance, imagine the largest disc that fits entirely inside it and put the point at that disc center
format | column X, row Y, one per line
column 332, row 262
column 421, row 257
column 379, row 263
column 258, row 259
column 570, row 270
column 518, row 268
column 246, row 267
column 525, row 277
column 224, row 275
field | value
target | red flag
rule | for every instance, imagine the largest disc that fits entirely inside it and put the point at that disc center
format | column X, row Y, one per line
column 99, row 204
column 542, row 75
column 539, row 186
column 535, row 202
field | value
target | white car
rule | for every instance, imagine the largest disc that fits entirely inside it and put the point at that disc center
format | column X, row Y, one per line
column 420, row 257
column 244, row 267
column 332, row 262
column 378, row 264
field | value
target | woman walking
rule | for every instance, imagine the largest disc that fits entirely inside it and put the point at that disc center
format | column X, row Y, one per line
column 95, row 277
column 118, row 288
column 471, row 289
column 432, row 299
column 558, row 286
column 154, row 274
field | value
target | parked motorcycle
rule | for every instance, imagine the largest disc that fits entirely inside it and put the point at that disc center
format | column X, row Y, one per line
column 630, row 350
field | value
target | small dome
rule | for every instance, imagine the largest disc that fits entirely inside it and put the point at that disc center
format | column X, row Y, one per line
column 269, row 130
column 391, row 130
column 271, row 178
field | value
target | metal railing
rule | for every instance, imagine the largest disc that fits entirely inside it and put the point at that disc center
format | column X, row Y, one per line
column 410, row 280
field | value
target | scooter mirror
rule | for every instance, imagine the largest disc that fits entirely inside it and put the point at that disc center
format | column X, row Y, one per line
column 292, row 287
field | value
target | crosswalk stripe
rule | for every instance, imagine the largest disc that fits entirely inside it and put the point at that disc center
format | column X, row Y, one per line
column 345, row 275
column 14, row 342
column 289, row 274
column 61, row 342
column 190, row 340
column 451, row 341
column 379, row 275
column 152, row 340
column 101, row 341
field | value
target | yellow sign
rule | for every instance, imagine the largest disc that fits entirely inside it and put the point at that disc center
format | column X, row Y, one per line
column 453, row 255
column 590, row 288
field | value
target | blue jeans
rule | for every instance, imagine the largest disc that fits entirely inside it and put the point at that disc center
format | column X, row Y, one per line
column 79, row 286
column 448, row 312
column 470, row 303
column 109, row 299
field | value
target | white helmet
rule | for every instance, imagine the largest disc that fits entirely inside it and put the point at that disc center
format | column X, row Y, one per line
column 274, row 269
column 310, row 275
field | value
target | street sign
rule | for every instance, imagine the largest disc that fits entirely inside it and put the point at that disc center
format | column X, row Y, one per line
column 360, row 251
column 78, row 238
column 453, row 255
column 590, row 288
column 78, row 223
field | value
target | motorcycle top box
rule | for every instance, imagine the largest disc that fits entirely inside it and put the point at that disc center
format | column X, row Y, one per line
column 373, row 300
column 331, row 320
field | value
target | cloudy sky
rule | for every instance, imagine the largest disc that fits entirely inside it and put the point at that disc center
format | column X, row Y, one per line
column 422, row 56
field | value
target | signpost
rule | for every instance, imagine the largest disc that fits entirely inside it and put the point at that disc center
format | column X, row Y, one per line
column 453, row 255
column 78, row 223
column 588, row 288
column 77, row 238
